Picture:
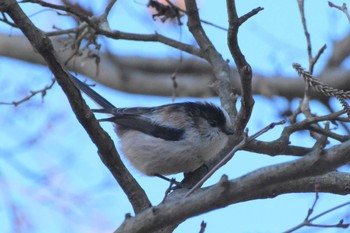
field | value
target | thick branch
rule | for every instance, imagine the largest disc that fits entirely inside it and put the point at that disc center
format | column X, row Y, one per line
column 262, row 183
column 277, row 147
column 102, row 140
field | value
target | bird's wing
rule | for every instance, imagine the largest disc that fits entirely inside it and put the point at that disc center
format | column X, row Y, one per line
column 130, row 118
column 145, row 125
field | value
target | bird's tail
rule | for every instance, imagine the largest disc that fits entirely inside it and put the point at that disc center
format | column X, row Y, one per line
column 97, row 98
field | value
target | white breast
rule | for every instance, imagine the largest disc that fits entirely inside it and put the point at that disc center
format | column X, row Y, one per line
column 152, row 155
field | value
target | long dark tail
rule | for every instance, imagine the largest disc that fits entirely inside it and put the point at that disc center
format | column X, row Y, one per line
column 97, row 98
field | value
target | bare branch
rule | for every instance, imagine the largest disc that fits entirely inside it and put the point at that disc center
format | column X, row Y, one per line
column 68, row 9
column 319, row 53
column 311, row 210
column 305, row 108
column 5, row 20
column 109, row 7
column 219, row 65
column 62, row 32
column 308, row 221
column 342, row 8
column 277, row 147
column 102, row 140
column 250, row 14
column 244, row 69
column 268, row 181
column 295, row 176
column 152, row 37
column 306, row 32
column 203, row 226
column 328, row 133
column 32, row 94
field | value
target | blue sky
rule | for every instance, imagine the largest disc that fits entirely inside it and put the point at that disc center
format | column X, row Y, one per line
column 82, row 196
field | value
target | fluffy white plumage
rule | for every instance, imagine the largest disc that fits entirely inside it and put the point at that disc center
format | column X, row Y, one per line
column 167, row 139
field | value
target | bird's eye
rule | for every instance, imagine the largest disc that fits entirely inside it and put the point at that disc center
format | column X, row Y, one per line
column 213, row 123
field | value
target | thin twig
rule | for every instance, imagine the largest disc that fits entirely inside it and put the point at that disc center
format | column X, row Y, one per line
column 311, row 210
column 308, row 222
column 109, row 7
column 328, row 133
column 5, row 20
column 319, row 53
column 62, row 32
column 32, row 94
column 250, row 14
column 306, row 32
column 172, row 182
column 305, row 103
column 239, row 146
column 203, row 226
column 342, row 8
column 156, row 37
column 58, row 7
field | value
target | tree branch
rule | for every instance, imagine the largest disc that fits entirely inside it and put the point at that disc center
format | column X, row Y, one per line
column 265, row 182
column 244, row 69
column 220, row 67
column 102, row 140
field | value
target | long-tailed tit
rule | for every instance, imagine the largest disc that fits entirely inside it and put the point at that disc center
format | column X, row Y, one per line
column 167, row 139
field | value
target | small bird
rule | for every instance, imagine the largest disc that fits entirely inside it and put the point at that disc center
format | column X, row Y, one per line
column 167, row 139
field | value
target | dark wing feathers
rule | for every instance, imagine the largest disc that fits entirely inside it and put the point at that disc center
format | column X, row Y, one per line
column 146, row 126
column 130, row 118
